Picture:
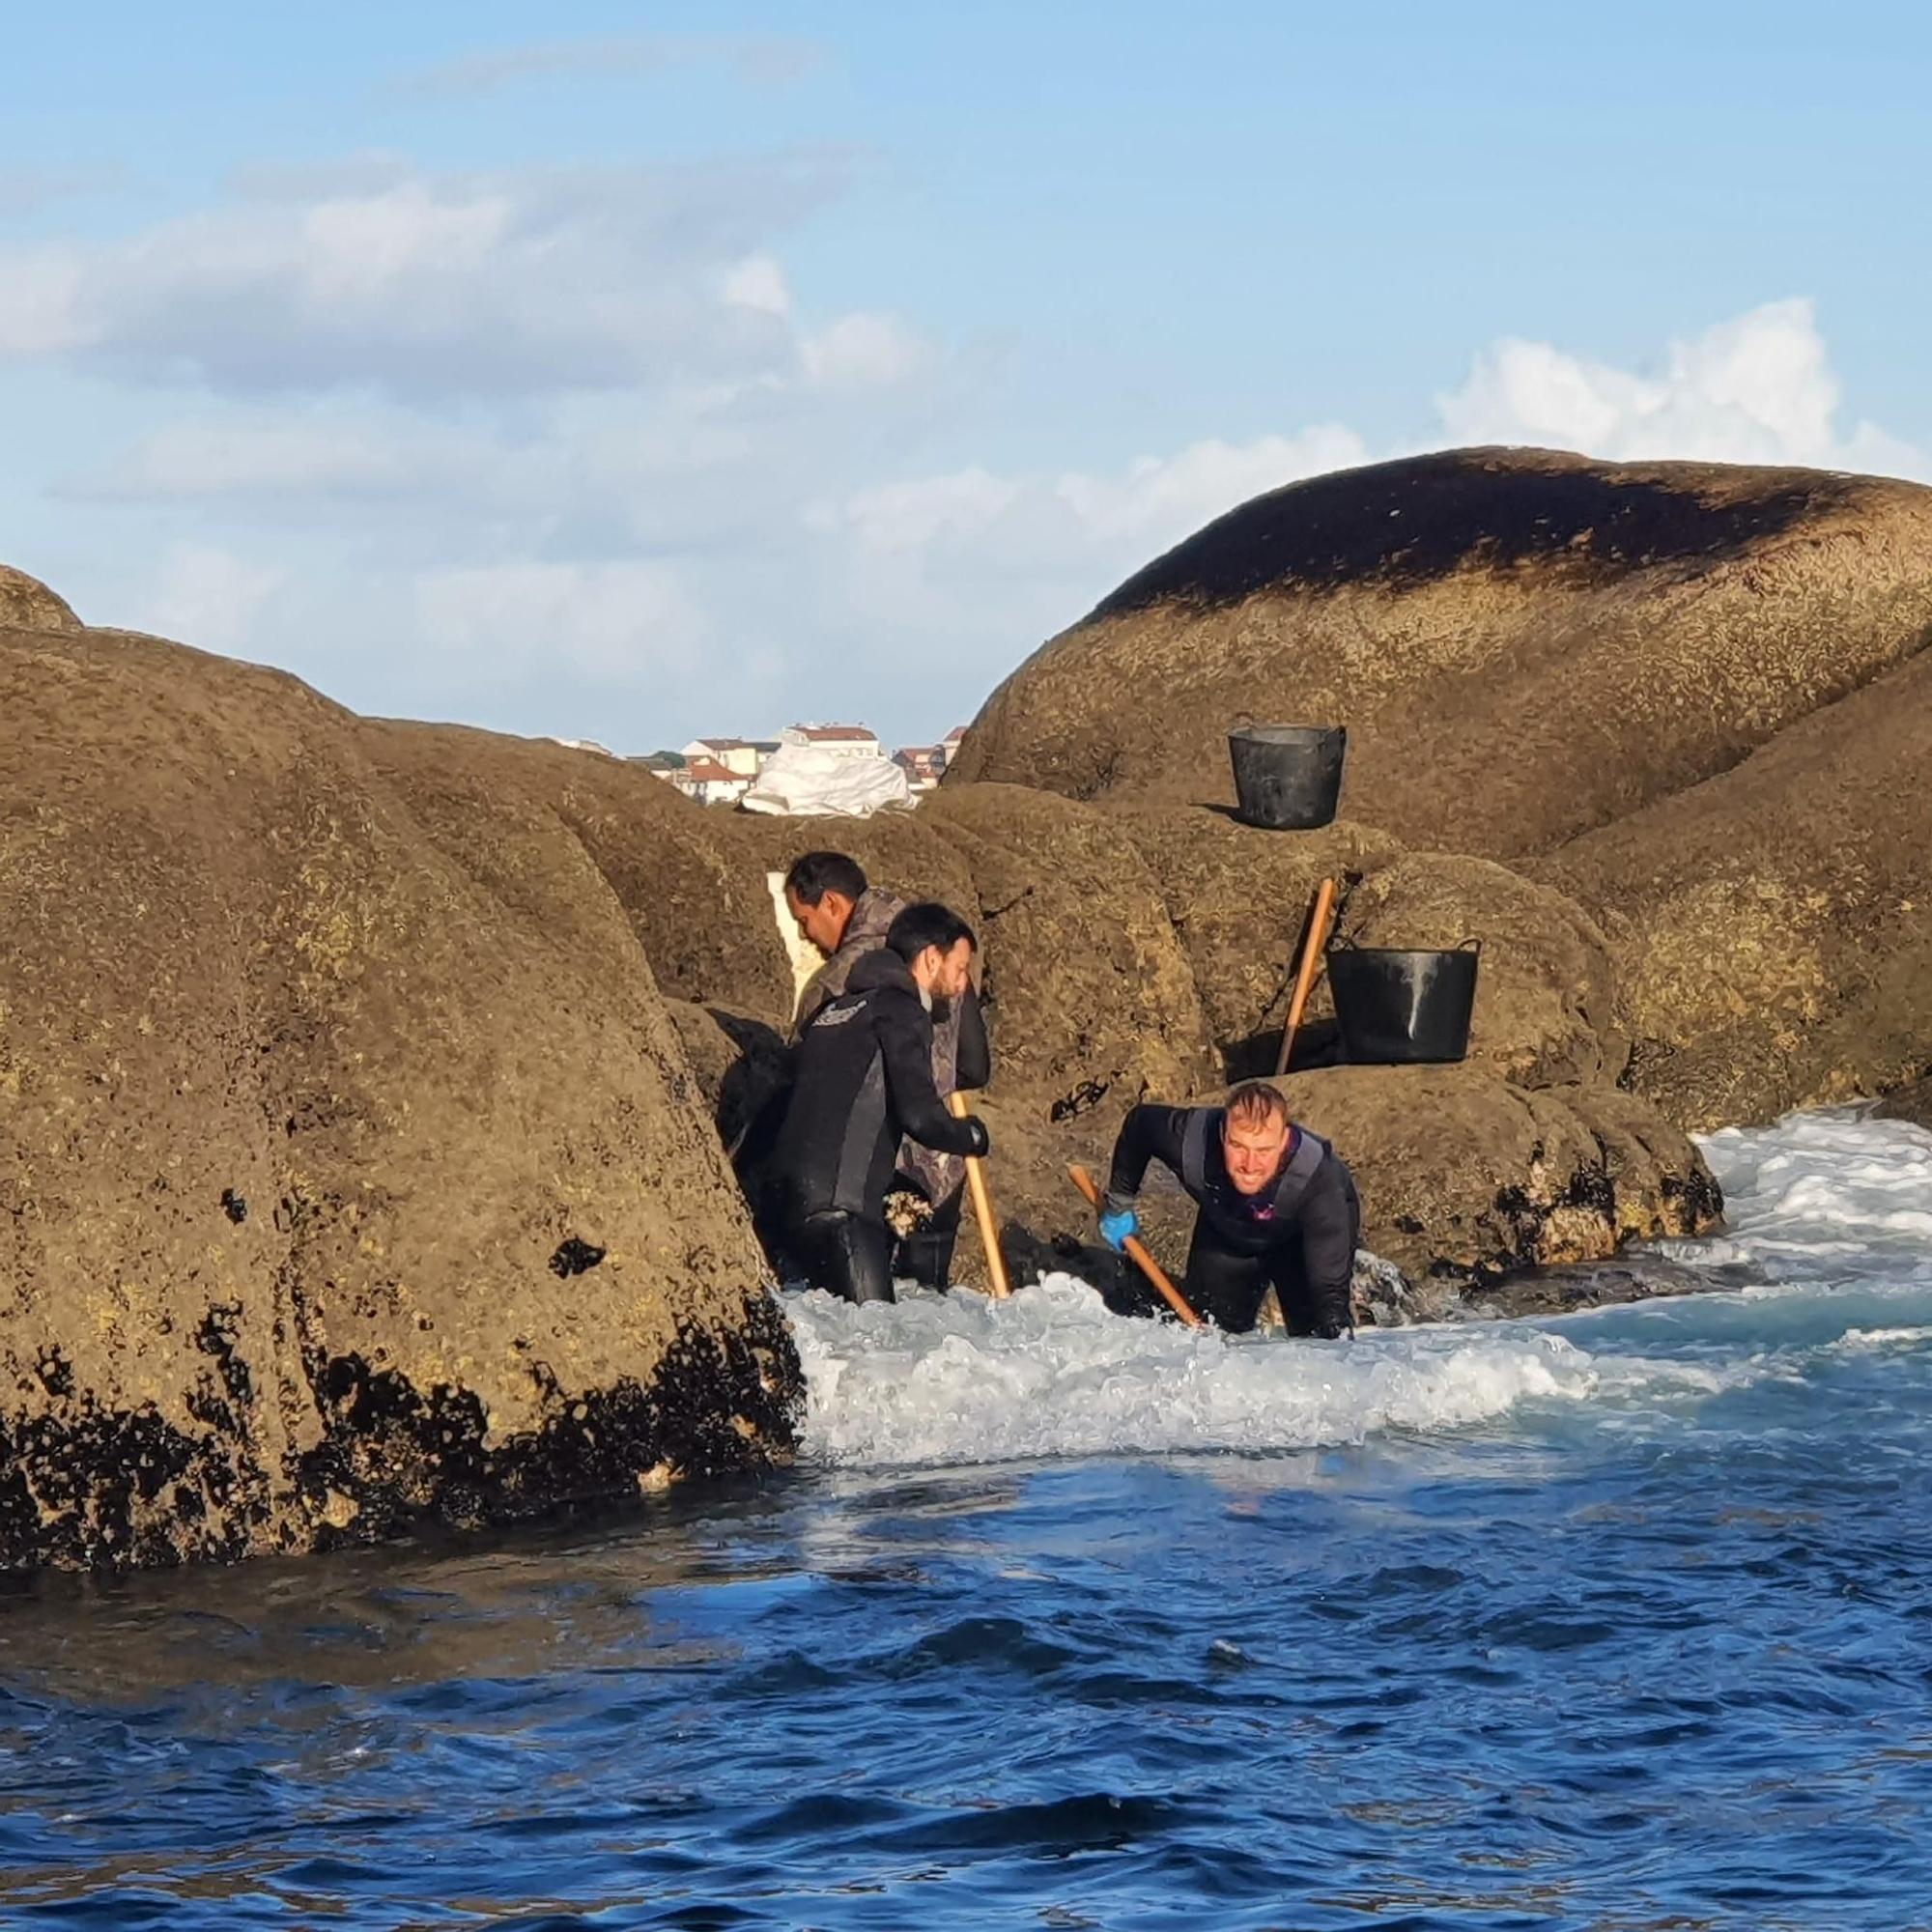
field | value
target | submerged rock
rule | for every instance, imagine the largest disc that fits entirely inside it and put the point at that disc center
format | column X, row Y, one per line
column 352, row 1168
column 1911, row 1103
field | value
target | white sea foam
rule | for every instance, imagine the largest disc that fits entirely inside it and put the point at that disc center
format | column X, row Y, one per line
column 1823, row 1196
column 1818, row 1203
column 958, row 1379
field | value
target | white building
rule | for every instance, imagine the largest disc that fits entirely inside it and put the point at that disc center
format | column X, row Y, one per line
column 742, row 756
column 711, row 782
column 846, row 741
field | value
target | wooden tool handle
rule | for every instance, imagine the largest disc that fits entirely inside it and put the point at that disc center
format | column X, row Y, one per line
column 1321, row 922
column 1137, row 1253
column 982, row 1210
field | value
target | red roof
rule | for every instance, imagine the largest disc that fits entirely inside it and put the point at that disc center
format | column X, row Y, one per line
column 708, row 771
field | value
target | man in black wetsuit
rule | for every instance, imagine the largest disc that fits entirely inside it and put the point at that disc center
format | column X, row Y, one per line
column 1278, row 1208
column 865, row 1083
column 846, row 917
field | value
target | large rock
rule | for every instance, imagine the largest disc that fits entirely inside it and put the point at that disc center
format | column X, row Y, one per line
column 1525, row 645
column 1775, row 922
column 26, row 604
column 351, row 1166
column 1464, row 1175
column 1240, row 899
column 1089, row 992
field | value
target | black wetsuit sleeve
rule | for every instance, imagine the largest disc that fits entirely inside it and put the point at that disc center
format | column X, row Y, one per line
column 906, row 1044
column 973, row 1064
column 1147, row 1134
column 1327, row 1224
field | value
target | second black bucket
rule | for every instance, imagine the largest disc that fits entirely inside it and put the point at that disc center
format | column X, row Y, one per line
column 1395, row 1006
column 1288, row 776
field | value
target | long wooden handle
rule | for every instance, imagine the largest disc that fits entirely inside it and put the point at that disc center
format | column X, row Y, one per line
column 983, row 1209
column 1320, row 922
column 1137, row 1254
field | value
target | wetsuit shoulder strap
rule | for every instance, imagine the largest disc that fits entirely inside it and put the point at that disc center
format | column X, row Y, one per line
column 1194, row 1142
column 1310, row 1151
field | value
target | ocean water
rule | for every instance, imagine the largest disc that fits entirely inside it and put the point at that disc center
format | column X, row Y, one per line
column 1617, row 1621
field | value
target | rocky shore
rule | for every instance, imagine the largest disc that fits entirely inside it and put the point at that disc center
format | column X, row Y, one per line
column 365, row 1087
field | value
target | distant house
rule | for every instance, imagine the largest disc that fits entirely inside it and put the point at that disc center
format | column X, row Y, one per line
column 951, row 743
column 741, row 755
column 711, row 782
column 585, row 745
column 848, row 741
column 922, row 764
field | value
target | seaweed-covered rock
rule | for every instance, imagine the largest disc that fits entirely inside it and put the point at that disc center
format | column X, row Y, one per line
column 1524, row 645
column 1240, row 899
column 1089, row 992
column 26, row 604
column 351, row 1166
column 1464, row 1175
column 1775, row 923
column 1912, row 1103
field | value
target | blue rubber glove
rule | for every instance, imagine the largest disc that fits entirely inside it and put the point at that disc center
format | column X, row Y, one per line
column 1120, row 1227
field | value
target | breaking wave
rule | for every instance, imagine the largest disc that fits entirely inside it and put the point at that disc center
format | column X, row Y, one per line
column 1831, row 1212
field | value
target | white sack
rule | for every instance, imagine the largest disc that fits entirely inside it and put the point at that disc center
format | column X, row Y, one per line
column 809, row 781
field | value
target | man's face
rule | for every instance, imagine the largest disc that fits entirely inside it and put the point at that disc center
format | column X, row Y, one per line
column 956, row 972
column 944, row 975
column 823, row 924
column 1254, row 1150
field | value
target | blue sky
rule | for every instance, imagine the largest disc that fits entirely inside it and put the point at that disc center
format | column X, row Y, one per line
column 627, row 372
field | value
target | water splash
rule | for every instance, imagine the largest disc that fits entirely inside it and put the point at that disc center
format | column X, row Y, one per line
column 957, row 1379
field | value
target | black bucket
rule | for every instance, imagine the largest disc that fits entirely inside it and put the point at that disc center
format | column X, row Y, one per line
column 1396, row 1006
column 1288, row 776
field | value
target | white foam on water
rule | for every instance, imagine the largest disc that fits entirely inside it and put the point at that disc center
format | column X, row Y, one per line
column 1821, row 1197
column 1818, row 1203
column 1865, row 1341
column 960, row 1379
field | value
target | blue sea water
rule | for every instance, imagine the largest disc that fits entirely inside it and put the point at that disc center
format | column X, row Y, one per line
column 1620, row 1621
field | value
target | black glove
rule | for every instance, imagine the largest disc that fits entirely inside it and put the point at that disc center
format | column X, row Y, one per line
column 983, row 1141
column 1333, row 1331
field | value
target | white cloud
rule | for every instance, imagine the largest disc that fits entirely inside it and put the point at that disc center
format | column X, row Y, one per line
column 503, row 284
column 208, row 596
column 1157, row 500
column 28, row 191
column 1758, row 388
column 860, row 350
column 620, row 621
column 295, row 457
column 895, row 517
column 767, row 58
column 757, row 283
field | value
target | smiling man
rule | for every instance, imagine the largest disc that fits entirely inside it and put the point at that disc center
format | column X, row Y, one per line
column 1278, row 1208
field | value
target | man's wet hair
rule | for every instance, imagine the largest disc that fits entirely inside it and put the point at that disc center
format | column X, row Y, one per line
column 925, row 924
column 1254, row 1103
column 817, row 873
